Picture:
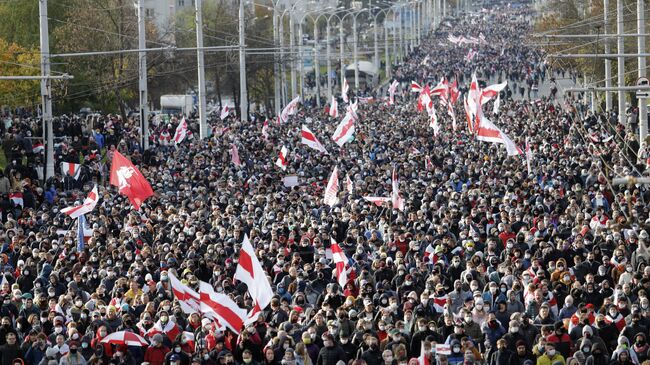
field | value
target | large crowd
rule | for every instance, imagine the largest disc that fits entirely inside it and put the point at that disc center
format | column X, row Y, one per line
column 489, row 263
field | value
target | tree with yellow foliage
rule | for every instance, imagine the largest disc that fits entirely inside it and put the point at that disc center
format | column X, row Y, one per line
column 18, row 61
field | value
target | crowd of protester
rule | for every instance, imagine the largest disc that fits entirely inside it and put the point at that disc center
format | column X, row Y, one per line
column 489, row 263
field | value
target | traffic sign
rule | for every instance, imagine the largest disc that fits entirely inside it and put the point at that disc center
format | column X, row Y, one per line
column 643, row 94
column 642, row 81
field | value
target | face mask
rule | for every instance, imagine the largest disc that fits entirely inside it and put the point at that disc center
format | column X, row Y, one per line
column 586, row 349
column 177, row 349
column 479, row 306
column 550, row 353
column 58, row 329
column 164, row 319
column 514, row 329
column 422, row 328
column 247, row 361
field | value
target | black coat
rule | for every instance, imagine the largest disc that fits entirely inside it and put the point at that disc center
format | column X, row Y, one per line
column 330, row 355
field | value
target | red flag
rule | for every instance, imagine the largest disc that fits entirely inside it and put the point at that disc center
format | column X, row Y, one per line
column 129, row 180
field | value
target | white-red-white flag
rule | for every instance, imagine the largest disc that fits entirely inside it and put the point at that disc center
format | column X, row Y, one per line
column 71, row 169
column 348, row 184
column 225, row 111
column 415, row 87
column 234, row 155
column 427, row 164
column 340, row 260
column 181, row 131
column 344, row 131
column 492, row 91
column 424, row 355
column 391, row 92
column 169, row 329
column 376, row 200
column 488, row 132
column 334, row 108
column 497, row 103
column 396, row 199
column 529, row 156
column 265, row 130
column 282, row 159
column 221, row 307
column 332, row 190
column 250, row 272
column 433, row 123
column 188, row 298
column 309, row 138
column 290, row 109
column 470, row 55
column 344, row 90
column 88, row 205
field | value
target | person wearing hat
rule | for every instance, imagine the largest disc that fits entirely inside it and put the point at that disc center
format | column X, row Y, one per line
column 523, row 354
column 155, row 354
column 550, row 356
column 562, row 341
column 331, row 353
column 73, row 357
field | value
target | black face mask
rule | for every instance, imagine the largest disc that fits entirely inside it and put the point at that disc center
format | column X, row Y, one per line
column 73, row 351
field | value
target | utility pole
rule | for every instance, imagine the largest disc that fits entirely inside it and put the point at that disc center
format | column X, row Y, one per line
column 142, row 75
column 341, row 40
column 316, row 63
column 608, row 62
column 283, row 70
column 203, row 125
column 243, row 92
column 46, row 90
column 301, row 61
column 329, row 61
column 386, row 51
column 276, row 61
column 643, row 106
column 620, row 60
column 292, row 56
column 355, row 50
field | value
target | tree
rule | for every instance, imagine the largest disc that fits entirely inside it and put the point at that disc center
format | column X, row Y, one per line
column 18, row 61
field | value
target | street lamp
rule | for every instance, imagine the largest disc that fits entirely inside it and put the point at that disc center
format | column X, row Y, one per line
column 355, row 48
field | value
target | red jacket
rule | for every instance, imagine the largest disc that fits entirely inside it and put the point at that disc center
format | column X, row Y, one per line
column 156, row 355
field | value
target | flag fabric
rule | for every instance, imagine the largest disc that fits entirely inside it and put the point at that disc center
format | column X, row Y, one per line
column 529, row 156
column 310, row 139
column 250, row 272
column 334, row 108
column 348, row 184
column 332, row 190
column 38, row 148
column 221, row 307
column 340, row 260
column 72, row 169
column 169, row 329
column 88, row 205
column 376, row 200
column 470, row 55
column 391, row 92
column 17, row 198
column 428, row 165
column 492, row 91
column 488, row 132
column 290, row 109
column 396, row 199
column 188, row 298
column 225, row 111
column 433, row 123
column 265, row 130
column 345, row 130
column 181, row 132
column 129, row 180
column 344, row 90
column 282, row 159
column 352, row 109
column 415, row 87
column 468, row 115
column 414, row 150
column 439, row 303
column 81, row 229
column 497, row 103
column 424, row 358
column 234, row 155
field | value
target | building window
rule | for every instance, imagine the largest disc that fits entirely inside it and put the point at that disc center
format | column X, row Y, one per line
column 149, row 13
column 181, row 3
